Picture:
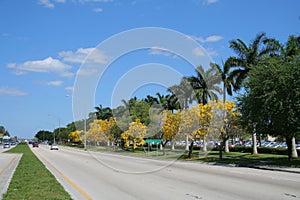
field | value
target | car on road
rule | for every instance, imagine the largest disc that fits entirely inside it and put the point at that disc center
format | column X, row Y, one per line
column 35, row 144
column 6, row 145
column 54, row 147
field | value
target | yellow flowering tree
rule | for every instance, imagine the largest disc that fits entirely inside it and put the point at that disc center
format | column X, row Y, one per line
column 224, row 122
column 101, row 131
column 170, row 126
column 196, row 122
column 75, row 136
column 135, row 134
column 105, row 129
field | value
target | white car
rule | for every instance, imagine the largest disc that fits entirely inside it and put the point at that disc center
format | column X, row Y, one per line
column 54, row 147
column 6, row 145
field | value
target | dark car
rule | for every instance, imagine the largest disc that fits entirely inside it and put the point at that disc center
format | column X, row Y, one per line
column 35, row 144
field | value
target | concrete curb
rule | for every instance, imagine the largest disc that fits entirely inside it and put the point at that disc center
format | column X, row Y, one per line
column 271, row 168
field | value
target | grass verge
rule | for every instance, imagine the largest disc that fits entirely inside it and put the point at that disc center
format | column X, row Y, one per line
column 32, row 180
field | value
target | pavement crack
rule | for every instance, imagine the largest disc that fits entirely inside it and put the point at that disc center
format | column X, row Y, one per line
column 291, row 195
column 193, row 195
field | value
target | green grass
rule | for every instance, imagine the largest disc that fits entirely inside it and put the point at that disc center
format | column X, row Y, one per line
column 32, row 180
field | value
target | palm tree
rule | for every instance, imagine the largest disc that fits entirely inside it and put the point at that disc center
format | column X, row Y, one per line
column 226, row 79
column 183, row 91
column 247, row 57
column 185, row 94
column 172, row 102
column 162, row 101
column 227, row 88
column 103, row 113
column 168, row 102
column 151, row 100
column 205, row 85
column 287, row 52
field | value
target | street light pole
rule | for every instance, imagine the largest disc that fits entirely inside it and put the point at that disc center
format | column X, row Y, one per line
column 84, row 132
column 58, row 127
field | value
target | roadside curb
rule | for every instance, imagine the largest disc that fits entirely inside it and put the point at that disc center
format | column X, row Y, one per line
column 266, row 167
column 289, row 170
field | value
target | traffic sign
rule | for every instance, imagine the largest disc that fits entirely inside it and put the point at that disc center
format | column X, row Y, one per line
column 153, row 141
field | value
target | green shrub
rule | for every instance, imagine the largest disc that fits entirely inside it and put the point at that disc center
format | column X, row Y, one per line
column 263, row 150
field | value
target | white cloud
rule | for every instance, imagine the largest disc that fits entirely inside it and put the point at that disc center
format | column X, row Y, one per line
column 48, row 65
column 8, row 91
column 198, row 51
column 69, row 89
column 98, row 10
column 212, row 38
column 95, row 1
column 84, row 55
column 51, row 3
column 210, row 1
column 55, row 83
column 46, row 3
column 161, row 51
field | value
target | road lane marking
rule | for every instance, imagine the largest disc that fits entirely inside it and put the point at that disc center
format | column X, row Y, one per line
column 67, row 179
column 8, row 165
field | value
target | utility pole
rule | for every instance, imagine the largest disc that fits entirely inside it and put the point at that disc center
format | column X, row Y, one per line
column 58, row 127
column 84, row 132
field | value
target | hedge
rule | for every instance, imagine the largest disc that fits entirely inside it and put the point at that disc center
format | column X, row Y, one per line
column 265, row 150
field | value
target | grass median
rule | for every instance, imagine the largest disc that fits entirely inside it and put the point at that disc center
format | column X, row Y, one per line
column 32, row 180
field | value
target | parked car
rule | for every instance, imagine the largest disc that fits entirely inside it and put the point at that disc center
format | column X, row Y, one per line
column 35, row 144
column 54, row 147
column 6, row 145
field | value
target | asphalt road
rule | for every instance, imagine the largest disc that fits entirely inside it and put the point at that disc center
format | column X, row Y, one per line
column 8, row 164
column 90, row 175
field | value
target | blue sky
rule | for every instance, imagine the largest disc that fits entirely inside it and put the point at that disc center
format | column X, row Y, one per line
column 44, row 42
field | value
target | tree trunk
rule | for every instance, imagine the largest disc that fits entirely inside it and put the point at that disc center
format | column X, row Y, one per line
column 289, row 142
column 191, row 149
column 163, row 148
column 254, row 144
column 172, row 145
column 204, row 144
column 221, row 150
column 108, row 143
column 226, row 146
column 133, row 147
column 294, row 150
column 186, row 142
